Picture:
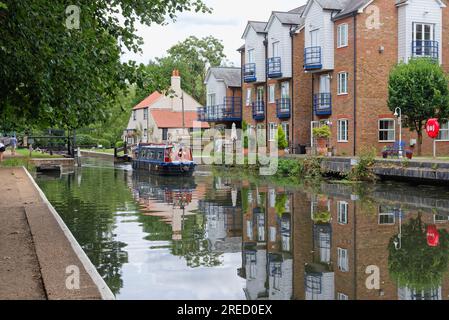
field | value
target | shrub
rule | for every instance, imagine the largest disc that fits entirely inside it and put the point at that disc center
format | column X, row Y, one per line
column 288, row 167
column 322, row 132
column 104, row 143
column 245, row 136
column 120, row 144
column 85, row 140
column 281, row 139
column 363, row 170
column 312, row 167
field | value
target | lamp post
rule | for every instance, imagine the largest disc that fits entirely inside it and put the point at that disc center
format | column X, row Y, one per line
column 398, row 114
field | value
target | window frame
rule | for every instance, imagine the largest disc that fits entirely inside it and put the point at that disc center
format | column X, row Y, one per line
column 145, row 114
column 134, row 115
column 339, row 212
column 251, row 56
column 340, row 91
column 343, row 260
column 249, row 96
column 386, row 130
column 446, row 122
column 346, row 136
column 272, row 127
column 340, row 42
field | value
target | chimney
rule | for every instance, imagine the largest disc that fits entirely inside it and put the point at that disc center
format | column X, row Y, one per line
column 176, row 82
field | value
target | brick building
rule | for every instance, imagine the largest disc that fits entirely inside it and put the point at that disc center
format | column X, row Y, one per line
column 328, row 62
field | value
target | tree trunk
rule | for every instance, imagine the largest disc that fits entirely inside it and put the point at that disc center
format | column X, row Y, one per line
column 419, row 142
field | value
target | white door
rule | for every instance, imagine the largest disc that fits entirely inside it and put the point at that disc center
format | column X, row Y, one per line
column 285, row 90
column 276, row 49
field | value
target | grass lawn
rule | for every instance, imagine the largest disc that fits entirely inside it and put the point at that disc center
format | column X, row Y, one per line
column 108, row 151
column 35, row 154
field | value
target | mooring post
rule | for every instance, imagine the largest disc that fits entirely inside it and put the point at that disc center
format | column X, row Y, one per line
column 78, row 156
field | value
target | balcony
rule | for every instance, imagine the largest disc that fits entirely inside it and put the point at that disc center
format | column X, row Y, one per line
column 274, row 67
column 230, row 110
column 425, row 49
column 283, row 108
column 249, row 72
column 322, row 104
column 312, row 58
column 258, row 110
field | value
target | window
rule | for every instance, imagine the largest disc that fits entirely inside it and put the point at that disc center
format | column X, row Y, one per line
column 249, row 230
column 342, row 83
column 444, row 130
column 387, row 130
column 134, row 115
column 273, row 128
column 313, row 283
column 251, row 56
column 271, row 93
column 165, row 134
column 145, row 133
column 145, row 114
column 342, row 212
column 342, row 296
column 211, row 99
column 342, row 35
column 249, row 98
column 272, row 196
column 343, row 263
column 387, row 215
column 272, row 234
column 276, row 49
column 342, row 130
column 285, row 90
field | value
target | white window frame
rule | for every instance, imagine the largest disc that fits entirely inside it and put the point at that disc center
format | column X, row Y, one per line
column 251, row 56
column 343, row 259
column 145, row 114
column 211, row 99
column 387, row 130
column 342, row 136
column 342, row 86
column 386, row 213
column 272, row 93
column 342, row 296
column 249, row 96
column 444, row 127
column 342, row 212
column 272, row 131
column 342, row 35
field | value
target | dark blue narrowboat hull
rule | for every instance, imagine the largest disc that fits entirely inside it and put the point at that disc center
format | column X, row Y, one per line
column 165, row 169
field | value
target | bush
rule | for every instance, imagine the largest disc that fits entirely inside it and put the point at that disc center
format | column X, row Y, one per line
column 290, row 168
column 322, row 132
column 85, row 140
column 120, row 144
column 312, row 167
column 104, row 143
column 363, row 170
column 281, row 139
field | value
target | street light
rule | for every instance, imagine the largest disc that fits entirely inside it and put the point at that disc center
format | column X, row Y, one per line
column 398, row 114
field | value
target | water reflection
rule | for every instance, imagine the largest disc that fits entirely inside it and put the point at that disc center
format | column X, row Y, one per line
column 218, row 237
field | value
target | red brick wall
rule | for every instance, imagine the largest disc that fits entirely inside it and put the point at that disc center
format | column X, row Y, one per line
column 302, row 94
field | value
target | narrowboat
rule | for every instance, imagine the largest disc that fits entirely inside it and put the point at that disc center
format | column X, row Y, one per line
column 164, row 160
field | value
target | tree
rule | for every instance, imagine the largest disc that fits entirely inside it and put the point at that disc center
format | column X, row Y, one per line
column 420, row 89
column 281, row 139
column 198, row 55
column 56, row 75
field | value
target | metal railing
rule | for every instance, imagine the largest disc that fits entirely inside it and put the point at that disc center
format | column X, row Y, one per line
column 274, row 67
column 312, row 58
column 230, row 110
column 258, row 110
column 425, row 48
column 249, row 72
column 283, row 108
column 322, row 104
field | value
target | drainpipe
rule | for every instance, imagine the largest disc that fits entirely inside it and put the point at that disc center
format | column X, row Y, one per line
column 265, row 43
column 355, row 82
column 292, row 98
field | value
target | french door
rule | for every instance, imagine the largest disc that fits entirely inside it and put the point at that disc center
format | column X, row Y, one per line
column 423, row 39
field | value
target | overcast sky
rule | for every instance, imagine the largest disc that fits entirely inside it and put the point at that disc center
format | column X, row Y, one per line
column 227, row 23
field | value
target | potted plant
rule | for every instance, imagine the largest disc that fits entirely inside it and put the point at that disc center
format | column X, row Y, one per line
column 322, row 217
column 409, row 154
column 322, row 134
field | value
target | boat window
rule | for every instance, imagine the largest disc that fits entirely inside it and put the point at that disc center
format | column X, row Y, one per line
column 160, row 155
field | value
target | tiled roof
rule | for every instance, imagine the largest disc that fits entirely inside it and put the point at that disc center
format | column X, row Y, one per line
column 148, row 101
column 334, row 4
column 288, row 17
column 258, row 26
column 298, row 10
column 351, row 6
column 172, row 119
column 231, row 76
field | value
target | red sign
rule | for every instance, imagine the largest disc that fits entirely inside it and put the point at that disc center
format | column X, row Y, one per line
column 433, row 128
column 433, row 236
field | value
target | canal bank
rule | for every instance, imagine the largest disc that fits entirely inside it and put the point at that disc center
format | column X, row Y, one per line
column 39, row 257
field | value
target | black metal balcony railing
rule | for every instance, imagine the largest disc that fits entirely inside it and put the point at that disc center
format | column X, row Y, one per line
column 425, row 48
column 249, row 72
column 283, row 108
column 322, row 104
column 258, row 110
column 230, row 110
column 274, row 67
column 312, row 58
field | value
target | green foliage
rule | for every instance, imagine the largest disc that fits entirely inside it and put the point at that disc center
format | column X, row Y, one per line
column 416, row 265
column 68, row 78
column 120, row 144
column 245, row 136
column 363, row 170
column 322, row 132
column 289, row 168
column 311, row 167
column 85, row 140
column 106, row 144
column 322, row 217
column 420, row 89
column 281, row 139
column 281, row 201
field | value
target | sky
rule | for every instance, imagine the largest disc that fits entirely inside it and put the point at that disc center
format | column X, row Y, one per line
column 227, row 23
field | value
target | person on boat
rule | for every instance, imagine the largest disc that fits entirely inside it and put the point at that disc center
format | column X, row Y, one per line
column 181, row 155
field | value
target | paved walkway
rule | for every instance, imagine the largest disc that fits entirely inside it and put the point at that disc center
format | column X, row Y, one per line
column 35, row 250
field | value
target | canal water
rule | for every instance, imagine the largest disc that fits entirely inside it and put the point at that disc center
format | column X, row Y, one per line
column 221, row 235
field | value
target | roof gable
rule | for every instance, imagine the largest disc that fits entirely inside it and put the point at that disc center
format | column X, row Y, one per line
column 231, row 76
column 285, row 18
column 257, row 26
column 148, row 101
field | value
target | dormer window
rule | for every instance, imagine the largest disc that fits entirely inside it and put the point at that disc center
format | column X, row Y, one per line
column 424, row 44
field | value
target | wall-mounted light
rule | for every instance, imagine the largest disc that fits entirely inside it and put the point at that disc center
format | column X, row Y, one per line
column 381, row 49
